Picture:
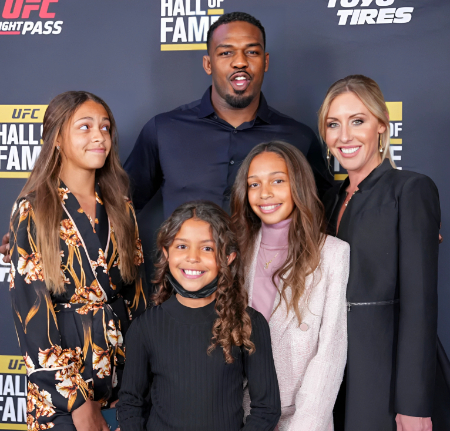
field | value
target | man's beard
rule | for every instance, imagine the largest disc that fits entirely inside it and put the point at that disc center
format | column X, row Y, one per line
column 238, row 101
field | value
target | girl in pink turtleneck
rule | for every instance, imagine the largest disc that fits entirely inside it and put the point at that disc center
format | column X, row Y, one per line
column 296, row 276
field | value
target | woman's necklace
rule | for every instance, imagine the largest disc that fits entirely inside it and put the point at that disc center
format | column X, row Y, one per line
column 268, row 262
column 350, row 198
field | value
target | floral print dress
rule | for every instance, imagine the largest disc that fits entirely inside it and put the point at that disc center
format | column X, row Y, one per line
column 72, row 343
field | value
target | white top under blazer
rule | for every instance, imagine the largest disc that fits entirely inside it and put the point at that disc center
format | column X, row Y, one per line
column 310, row 358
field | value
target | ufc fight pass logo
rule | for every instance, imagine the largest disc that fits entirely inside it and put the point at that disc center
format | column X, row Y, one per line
column 31, row 17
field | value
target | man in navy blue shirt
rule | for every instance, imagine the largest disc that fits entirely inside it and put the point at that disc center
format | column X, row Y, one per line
column 194, row 151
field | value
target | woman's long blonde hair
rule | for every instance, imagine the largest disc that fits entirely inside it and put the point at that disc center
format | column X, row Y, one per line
column 41, row 190
column 368, row 91
column 307, row 227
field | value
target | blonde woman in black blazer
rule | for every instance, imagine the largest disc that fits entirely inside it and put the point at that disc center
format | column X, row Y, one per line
column 391, row 220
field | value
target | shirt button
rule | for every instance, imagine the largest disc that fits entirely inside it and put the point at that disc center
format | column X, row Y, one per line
column 234, row 131
column 231, row 162
column 215, row 117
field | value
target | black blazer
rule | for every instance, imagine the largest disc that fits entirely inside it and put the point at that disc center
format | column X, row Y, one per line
column 392, row 226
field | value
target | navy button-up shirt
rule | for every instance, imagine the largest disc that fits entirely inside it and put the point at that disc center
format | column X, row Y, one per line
column 190, row 153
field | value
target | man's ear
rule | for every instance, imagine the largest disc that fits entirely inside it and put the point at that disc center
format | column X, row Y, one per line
column 231, row 257
column 207, row 64
column 266, row 62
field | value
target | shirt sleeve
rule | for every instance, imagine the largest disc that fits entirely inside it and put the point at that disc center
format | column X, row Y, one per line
column 315, row 399
column 265, row 405
column 137, row 380
column 54, row 379
column 322, row 175
column 419, row 220
column 143, row 166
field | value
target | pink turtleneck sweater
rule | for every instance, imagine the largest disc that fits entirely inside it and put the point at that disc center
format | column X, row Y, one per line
column 274, row 248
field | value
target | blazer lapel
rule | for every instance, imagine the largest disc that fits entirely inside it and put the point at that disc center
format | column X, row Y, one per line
column 280, row 319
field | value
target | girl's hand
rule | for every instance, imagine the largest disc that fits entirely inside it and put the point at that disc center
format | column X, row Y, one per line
column 88, row 417
column 412, row 423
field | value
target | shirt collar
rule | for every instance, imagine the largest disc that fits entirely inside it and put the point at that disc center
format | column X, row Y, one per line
column 371, row 179
column 206, row 107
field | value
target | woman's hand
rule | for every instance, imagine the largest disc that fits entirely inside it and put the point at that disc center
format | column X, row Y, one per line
column 88, row 417
column 412, row 423
column 4, row 248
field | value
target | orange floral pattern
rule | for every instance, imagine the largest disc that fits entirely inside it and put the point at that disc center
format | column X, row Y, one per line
column 88, row 294
column 28, row 364
column 41, row 401
column 12, row 273
column 138, row 254
column 101, row 261
column 114, row 334
column 58, row 332
column 69, row 234
column 30, row 266
column 97, row 198
column 55, row 357
column 63, row 193
column 101, row 361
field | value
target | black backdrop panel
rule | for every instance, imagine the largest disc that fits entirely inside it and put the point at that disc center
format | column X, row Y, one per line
column 144, row 57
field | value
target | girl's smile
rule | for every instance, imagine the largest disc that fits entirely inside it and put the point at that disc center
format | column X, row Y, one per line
column 190, row 273
column 269, row 209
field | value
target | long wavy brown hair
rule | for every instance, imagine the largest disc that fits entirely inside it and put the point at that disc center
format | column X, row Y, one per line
column 41, row 190
column 233, row 326
column 307, row 228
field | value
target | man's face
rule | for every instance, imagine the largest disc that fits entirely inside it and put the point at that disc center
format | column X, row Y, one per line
column 237, row 63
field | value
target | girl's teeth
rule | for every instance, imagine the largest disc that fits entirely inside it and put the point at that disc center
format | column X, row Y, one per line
column 270, row 207
column 189, row 272
column 349, row 150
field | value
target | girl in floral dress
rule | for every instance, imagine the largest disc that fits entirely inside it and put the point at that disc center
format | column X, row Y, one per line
column 75, row 263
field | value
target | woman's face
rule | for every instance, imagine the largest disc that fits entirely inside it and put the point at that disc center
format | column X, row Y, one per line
column 352, row 133
column 269, row 189
column 87, row 140
column 192, row 255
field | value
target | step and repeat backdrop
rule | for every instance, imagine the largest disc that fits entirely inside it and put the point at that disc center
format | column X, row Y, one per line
column 144, row 57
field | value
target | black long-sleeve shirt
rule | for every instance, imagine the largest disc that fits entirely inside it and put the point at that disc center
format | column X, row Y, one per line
column 190, row 153
column 189, row 389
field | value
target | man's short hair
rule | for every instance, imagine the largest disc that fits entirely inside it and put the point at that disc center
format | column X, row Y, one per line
column 233, row 17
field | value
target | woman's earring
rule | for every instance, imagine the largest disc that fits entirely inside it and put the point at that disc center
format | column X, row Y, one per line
column 379, row 143
column 58, row 147
column 328, row 154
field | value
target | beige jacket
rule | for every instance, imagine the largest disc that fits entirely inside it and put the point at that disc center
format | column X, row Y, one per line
column 310, row 360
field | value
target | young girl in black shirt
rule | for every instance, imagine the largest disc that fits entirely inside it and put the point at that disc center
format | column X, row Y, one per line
column 196, row 347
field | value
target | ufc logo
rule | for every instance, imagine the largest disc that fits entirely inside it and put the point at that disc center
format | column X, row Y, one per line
column 14, row 8
column 18, row 113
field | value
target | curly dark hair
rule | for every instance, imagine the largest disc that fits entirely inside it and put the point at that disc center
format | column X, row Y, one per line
column 233, row 17
column 233, row 326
